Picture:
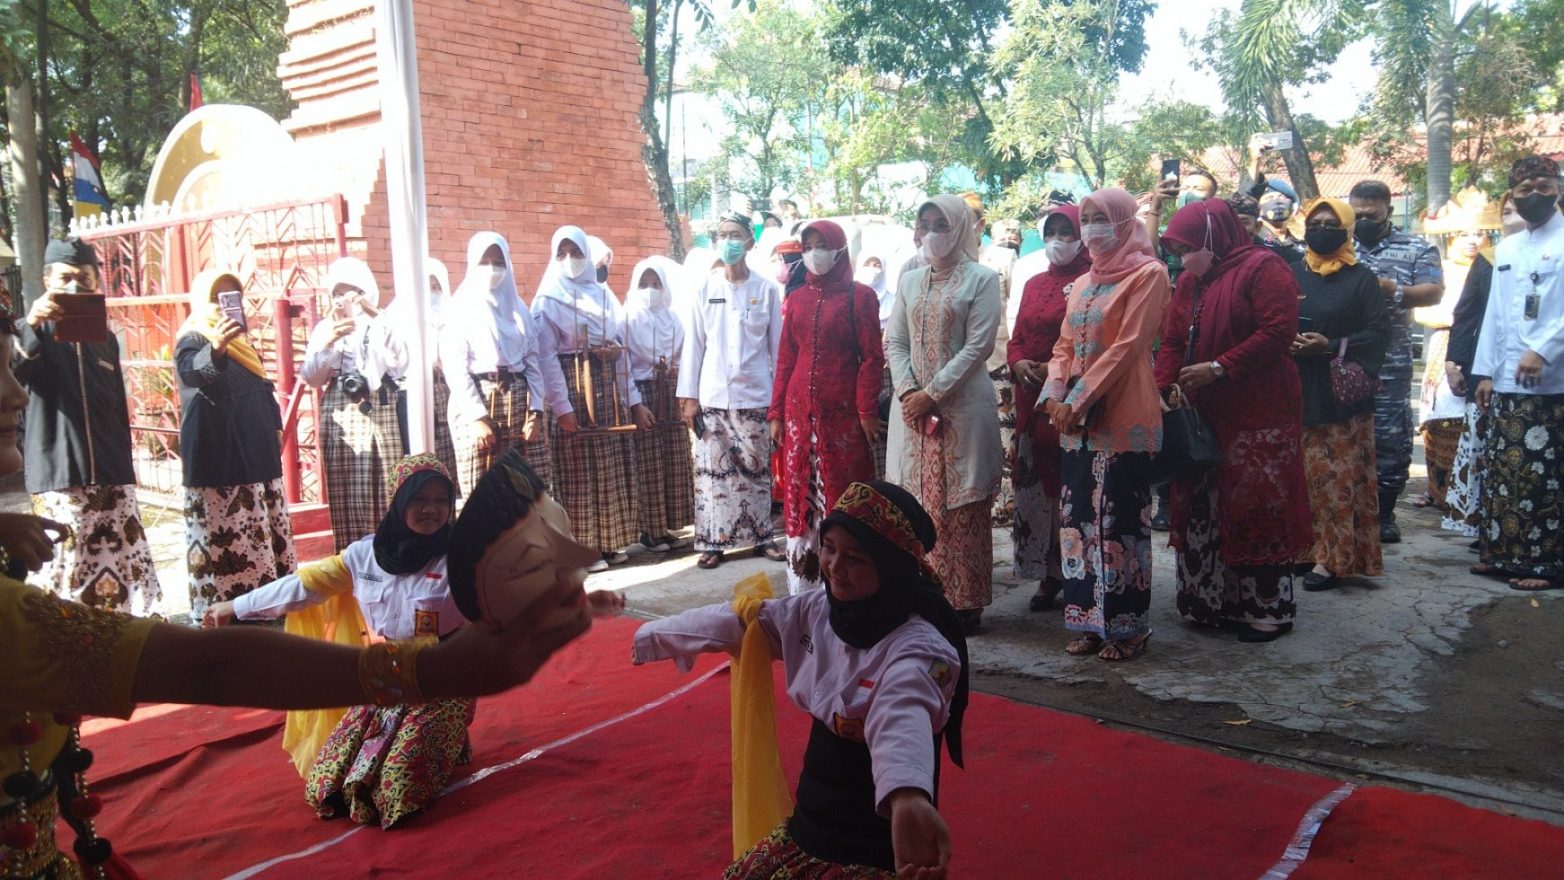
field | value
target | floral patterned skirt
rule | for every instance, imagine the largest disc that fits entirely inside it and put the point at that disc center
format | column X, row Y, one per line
column 1338, row 459
column 237, row 538
column 1522, row 528
column 105, row 561
column 778, row 857
column 1209, row 590
column 1464, row 499
column 1105, row 542
column 383, row 764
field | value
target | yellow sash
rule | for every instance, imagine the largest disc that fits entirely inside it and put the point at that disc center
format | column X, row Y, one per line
column 761, row 799
column 335, row 620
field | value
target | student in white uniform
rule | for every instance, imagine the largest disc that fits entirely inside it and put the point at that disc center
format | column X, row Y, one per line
column 356, row 354
column 725, row 374
column 663, row 465
column 396, row 580
column 879, row 661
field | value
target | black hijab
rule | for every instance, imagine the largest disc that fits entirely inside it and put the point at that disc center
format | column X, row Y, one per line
column 399, row 549
column 896, row 532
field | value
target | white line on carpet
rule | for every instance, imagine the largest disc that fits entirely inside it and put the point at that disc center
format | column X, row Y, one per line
column 1298, row 849
column 485, row 773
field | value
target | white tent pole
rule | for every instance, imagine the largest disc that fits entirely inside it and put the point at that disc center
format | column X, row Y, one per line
column 396, row 53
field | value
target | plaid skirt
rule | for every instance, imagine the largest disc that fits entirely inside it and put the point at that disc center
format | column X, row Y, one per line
column 508, row 405
column 359, row 450
column 383, row 764
column 237, row 538
column 444, row 441
column 594, row 469
column 665, row 473
column 105, row 561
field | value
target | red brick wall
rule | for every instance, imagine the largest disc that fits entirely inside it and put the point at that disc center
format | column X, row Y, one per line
column 530, row 121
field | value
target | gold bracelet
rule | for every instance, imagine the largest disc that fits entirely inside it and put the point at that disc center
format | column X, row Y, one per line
column 388, row 672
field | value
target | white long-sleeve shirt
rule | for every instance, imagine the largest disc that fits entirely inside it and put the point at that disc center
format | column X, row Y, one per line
column 730, row 343
column 461, row 360
column 395, row 606
column 589, row 321
column 1527, row 264
column 373, row 349
column 893, row 696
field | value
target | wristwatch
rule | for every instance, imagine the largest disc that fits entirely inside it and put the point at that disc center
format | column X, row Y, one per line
column 1218, row 369
column 1399, row 295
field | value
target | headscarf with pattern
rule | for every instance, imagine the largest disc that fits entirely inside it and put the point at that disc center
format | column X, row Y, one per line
column 399, row 549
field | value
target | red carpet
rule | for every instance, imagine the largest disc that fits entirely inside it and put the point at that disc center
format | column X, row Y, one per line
column 196, row 793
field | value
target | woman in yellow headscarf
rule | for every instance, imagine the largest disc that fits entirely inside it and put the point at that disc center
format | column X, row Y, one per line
column 1342, row 315
column 230, row 443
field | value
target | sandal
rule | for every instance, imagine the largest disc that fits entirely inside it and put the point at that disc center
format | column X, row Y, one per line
column 1423, row 501
column 1124, row 649
column 1546, row 584
column 709, row 560
column 771, row 552
column 1090, row 643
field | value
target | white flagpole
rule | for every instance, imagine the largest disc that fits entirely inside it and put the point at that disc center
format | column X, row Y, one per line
column 397, row 57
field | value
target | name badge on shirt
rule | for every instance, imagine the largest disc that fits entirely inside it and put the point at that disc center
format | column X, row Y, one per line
column 371, row 577
column 717, row 300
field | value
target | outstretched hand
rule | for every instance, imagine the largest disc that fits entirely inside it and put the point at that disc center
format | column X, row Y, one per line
column 920, row 839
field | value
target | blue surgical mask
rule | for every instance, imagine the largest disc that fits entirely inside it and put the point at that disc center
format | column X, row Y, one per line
column 731, row 251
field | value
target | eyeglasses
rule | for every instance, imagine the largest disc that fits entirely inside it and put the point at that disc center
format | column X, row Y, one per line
column 938, row 226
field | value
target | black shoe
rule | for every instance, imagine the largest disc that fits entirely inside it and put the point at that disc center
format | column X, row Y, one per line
column 1314, row 582
column 1043, row 599
column 1161, row 522
column 1250, row 634
column 1389, row 532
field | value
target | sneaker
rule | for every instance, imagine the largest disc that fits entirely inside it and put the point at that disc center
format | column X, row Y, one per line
column 598, row 566
column 617, row 557
column 1389, row 532
column 654, row 545
column 675, row 542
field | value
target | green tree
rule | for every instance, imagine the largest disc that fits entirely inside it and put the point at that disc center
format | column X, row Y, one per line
column 26, row 224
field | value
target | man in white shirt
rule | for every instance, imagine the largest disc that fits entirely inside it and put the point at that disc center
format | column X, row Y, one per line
column 1519, row 368
column 725, row 377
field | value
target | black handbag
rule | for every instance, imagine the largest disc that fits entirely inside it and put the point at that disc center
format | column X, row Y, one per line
column 1189, row 444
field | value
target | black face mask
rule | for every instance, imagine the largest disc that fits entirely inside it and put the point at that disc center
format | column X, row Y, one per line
column 1370, row 231
column 1325, row 240
column 1536, row 208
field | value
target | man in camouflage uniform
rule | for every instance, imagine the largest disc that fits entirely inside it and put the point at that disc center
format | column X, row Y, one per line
column 1410, row 276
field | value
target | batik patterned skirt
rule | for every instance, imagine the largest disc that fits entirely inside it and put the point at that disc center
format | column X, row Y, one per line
column 1441, row 441
column 105, row 561
column 778, row 857
column 508, row 404
column 803, row 550
column 237, row 538
column 1523, row 499
column 1105, row 542
column 1338, row 462
column 1004, row 401
column 1463, row 501
column 881, row 445
column 1034, row 532
column 665, row 472
column 594, row 468
column 383, row 764
column 732, row 480
column 359, row 449
column 1209, row 590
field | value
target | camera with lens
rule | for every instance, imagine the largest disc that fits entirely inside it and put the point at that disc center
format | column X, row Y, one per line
column 356, row 387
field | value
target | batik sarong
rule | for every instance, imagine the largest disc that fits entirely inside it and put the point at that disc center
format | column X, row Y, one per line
column 1522, row 528
column 105, row 560
column 383, row 764
column 237, row 538
column 1105, row 543
column 1210, row 591
column 732, row 480
column 1034, row 533
column 1463, row 501
column 1338, row 462
column 803, row 550
column 779, row 857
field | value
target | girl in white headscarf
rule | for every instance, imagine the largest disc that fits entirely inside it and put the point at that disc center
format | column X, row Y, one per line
column 594, row 404
column 490, row 353
column 439, row 290
column 665, row 478
column 355, row 354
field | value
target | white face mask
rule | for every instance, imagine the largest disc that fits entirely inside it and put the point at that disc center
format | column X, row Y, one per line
column 574, row 267
column 1062, row 252
column 1099, row 236
column 869, row 276
column 655, row 295
column 939, row 244
column 496, row 276
column 820, row 260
